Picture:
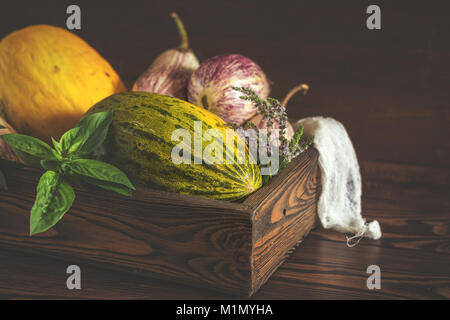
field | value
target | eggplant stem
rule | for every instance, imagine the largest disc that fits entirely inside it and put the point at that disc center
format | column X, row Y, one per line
column 302, row 87
column 181, row 31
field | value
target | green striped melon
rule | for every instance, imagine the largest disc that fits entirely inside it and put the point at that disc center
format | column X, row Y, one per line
column 140, row 143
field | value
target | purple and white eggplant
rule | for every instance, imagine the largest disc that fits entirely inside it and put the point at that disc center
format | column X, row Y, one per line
column 171, row 70
column 211, row 86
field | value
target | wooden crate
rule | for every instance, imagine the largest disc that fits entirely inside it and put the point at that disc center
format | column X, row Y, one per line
column 232, row 247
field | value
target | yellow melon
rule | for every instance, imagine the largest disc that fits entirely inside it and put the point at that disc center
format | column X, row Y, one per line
column 49, row 77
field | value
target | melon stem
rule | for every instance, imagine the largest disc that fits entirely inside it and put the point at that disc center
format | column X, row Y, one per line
column 181, row 30
column 301, row 87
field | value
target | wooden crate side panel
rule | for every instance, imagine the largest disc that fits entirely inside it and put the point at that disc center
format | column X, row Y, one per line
column 284, row 214
column 196, row 241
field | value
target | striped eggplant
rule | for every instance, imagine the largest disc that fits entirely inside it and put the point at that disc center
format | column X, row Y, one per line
column 211, row 86
column 140, row 143
column 170, row 72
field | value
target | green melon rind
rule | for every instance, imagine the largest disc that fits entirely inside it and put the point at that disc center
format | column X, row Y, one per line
column 139, row 143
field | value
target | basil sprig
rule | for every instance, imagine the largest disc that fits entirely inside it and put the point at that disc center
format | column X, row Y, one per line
column 65, row 165
column 54, row 198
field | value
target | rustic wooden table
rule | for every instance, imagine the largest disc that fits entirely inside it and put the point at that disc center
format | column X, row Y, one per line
column 389, row 87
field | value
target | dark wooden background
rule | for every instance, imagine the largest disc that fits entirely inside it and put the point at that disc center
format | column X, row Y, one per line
column 389, row 87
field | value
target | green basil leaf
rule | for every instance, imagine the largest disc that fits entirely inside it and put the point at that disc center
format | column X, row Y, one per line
column 98, row 170
column 2, row 127
column 110, row 186
column 54, row 198
column 71, row 140
column 52, row 165
column 57, row 146
column 28, row 159
column 29, row 149
column 83, row 182
column 88, row 134
column 3, row 181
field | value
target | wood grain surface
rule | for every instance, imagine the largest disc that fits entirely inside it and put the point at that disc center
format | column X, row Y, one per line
column 388, row 87
column 165, row 235
column 284, row 212
column 226, row 246
column 413, row 255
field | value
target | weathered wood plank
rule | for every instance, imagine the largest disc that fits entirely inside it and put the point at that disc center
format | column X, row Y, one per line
column 325, row 269
column 180, row 238
column 283, row 214
column 185, row 239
